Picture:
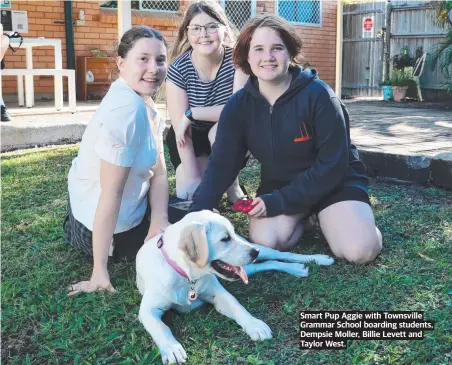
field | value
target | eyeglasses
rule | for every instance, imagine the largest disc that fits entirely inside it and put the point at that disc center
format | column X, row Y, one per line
column 209, row 28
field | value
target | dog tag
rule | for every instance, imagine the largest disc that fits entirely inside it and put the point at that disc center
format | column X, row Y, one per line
column 192, row 295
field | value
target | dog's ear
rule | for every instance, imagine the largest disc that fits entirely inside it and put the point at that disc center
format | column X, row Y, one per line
column 193, row 243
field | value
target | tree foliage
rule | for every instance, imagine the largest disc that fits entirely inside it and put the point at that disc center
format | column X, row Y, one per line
column 442, row 12
column 441, row 52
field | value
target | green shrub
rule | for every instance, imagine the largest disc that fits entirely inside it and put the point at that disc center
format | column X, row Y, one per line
column 401, row 78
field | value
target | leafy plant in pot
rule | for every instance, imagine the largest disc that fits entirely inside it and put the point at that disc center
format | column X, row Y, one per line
column 400, row 82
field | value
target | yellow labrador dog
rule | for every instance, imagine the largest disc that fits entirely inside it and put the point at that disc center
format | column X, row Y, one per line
column 179, row 270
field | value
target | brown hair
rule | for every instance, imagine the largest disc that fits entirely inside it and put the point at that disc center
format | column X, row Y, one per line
column 213, row 10
column 127, row 42
column 285, row 30
column 130, row 37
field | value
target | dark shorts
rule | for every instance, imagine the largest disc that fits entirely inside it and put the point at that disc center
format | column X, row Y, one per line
column 200, row 140
column 340, row 194
column 201, row 145
column 126, row 244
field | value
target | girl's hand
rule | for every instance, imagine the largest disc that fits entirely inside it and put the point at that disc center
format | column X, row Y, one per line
column 100, row 280
column 157, row 227
column 259, row 209
column 183, row 131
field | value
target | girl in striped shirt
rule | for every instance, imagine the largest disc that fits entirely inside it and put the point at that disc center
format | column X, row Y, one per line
column 200, row 80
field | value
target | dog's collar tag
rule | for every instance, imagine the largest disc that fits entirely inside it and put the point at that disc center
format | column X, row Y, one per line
column 192, row 294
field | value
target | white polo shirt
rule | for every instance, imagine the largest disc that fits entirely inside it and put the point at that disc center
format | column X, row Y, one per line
column 124, row 131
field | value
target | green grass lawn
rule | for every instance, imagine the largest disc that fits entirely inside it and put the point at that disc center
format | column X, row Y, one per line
column 42, row 325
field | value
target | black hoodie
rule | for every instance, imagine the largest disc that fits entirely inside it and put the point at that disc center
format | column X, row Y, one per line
column 303, row 140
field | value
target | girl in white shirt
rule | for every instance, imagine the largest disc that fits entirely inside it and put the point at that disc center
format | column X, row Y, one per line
column 119, row 175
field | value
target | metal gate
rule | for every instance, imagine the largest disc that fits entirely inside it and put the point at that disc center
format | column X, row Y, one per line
column 239, row 11
column 362, row 60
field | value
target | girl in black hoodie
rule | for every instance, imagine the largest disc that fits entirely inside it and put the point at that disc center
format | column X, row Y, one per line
column 298, row 130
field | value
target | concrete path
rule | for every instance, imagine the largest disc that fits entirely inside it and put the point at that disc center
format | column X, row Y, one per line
column 379, row 127
column 410, row 141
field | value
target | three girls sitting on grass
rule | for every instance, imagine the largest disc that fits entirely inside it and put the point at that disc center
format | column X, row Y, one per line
column 290, row 121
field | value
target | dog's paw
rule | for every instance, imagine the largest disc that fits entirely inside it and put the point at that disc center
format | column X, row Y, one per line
column 324, row 260
column 257, row 330
column 173, row 354
column 298, row 270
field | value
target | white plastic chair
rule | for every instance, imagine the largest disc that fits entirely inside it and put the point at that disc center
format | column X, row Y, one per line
column 417, row 72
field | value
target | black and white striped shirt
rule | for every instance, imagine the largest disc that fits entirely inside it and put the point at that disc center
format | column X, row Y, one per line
column 200, row 93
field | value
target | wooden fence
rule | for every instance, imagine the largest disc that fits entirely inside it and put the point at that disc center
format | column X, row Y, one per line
column 398, row 24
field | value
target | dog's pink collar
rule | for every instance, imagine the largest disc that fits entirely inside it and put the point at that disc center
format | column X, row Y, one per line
column 192, row 294
column 172, row 263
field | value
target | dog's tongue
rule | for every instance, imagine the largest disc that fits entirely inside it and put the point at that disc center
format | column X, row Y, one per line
column 241, row 273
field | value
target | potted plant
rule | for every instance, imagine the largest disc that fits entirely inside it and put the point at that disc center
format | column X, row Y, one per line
column 387, row 90
column 404, row 59
column 96, row 52
column 400, row 82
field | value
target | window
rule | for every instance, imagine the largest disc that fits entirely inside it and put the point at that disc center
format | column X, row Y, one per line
column 167, row 6
column 306, row 12
column 239, row 11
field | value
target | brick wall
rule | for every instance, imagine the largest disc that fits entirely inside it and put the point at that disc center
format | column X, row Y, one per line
column 46, row 19
column 42, row 16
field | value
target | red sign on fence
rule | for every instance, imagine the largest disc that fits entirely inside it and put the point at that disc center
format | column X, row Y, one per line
column 368, row 26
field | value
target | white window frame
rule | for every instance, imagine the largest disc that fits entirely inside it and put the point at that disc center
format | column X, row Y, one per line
column 158, row 11
column 304, row 24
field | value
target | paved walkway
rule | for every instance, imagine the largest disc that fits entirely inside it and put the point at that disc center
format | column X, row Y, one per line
column 395, row 140
column 404, row 130
column 43, row 125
